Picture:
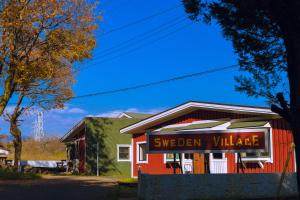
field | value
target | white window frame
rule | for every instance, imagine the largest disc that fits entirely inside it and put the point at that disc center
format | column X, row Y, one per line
column 262, row 159
column 124, row 145
column 138, row 153
column 165, row 158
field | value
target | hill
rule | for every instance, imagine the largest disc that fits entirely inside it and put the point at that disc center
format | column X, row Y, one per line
column 48, row 149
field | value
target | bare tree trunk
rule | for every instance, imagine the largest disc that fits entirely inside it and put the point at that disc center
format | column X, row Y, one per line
column 15, row 131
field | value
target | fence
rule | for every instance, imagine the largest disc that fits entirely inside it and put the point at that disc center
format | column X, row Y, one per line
column 215, row 186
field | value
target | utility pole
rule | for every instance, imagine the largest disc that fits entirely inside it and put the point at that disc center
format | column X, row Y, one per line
column 97, row 158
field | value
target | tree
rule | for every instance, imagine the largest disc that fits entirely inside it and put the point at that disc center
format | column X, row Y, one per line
column 38, row 37
column 2, row 140
column 45, row 94
column 265, row 36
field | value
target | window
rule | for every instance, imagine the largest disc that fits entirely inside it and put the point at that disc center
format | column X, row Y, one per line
column 169, row 157
column 256, row 155
column 123, row 152
column 218, row 155
column 142, row 157
column 260, row 156
column 189, row 156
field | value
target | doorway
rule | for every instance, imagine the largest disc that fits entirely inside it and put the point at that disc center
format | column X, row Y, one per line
column 217, row 163
column 187, row 163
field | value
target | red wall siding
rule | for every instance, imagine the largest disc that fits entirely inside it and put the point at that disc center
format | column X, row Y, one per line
column 155, row 163
column 281, row 141
column 81, row 150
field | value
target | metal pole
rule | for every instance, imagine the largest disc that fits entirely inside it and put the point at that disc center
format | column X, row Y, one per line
column 174, row 162
column 97, row 158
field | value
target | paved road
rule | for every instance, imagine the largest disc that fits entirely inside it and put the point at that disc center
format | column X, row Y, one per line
column 59, row 187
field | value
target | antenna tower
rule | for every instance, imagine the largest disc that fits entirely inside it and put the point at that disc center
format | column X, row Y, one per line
column 39, row 127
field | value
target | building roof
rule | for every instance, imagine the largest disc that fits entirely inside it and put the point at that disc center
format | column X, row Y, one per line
column 3, row 152
column 213, row 125
column 115, row 124
column 135, row 115
column 192, row 106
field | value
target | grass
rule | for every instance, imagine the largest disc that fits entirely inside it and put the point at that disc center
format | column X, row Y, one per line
column 7, row 174
column 128, row 181
column 122, row 191
column 48, row 149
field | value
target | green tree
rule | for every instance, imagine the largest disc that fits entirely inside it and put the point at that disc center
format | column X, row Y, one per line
column 265, row 36
column 38, row 37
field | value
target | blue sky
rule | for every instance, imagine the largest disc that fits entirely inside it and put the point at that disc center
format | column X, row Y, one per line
column 192, row 47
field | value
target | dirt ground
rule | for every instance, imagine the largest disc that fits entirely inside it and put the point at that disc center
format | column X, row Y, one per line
column 63, row 187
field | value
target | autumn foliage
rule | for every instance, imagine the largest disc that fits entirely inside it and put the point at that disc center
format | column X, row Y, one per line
column 40, row 38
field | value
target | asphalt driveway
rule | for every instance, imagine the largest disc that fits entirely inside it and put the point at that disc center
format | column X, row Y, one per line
column 60, row 187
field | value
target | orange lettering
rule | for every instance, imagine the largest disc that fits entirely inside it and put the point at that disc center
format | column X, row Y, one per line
column 255, row 140
column 157, row 142
column 197, row 142
column 189, row 142
column 216, row 141
column 165, row 143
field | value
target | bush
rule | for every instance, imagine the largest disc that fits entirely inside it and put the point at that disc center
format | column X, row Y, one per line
column 9, row 174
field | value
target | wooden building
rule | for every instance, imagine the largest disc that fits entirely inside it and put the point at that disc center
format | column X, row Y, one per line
column 114, row 149
column 202, row 116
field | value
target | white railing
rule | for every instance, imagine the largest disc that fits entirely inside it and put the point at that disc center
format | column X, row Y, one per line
column 218, row 166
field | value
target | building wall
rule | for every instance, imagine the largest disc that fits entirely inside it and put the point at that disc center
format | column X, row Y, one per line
column 282, row 138
column 106, row 131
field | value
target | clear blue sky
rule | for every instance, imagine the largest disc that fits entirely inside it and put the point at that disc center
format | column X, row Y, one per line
column 196, row 47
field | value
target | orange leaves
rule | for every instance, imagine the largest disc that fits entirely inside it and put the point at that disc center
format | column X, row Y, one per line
column 41, row 40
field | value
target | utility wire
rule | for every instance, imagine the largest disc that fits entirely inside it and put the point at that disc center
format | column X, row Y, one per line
column 143, row 36
column 140, row 20
column 136, row 48
column 177, row 78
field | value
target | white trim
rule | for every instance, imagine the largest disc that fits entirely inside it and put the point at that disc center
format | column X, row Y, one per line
column 262, row 159
column 187, row 124
column 207, row 106
column 132, row 153
column 138, row 161
column 165, row 158
column 124, row 145
column 121, row 115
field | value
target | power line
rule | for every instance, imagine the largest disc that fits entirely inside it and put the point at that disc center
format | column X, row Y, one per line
column 140, row 20
column 144, row 35
column 137, row 47
column 125, row 89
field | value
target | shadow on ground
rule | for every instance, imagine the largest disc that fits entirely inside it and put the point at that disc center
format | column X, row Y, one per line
column 65, row 187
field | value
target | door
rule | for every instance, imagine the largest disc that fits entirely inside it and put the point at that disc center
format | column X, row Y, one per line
column 187, row 163
column 81, row 155
column 198, row 163
column 217, row 163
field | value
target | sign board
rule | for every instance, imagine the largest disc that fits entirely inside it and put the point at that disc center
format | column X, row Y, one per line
column 246, row 140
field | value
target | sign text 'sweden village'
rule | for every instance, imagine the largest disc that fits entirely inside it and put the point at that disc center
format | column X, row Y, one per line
column 242, row 141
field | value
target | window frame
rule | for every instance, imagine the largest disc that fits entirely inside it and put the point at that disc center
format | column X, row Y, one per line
column 169, row 160
column 118, row 155
column 138, row 153
column 267, row 159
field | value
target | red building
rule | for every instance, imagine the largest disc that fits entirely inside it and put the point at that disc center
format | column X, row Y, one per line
column 200, row 116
